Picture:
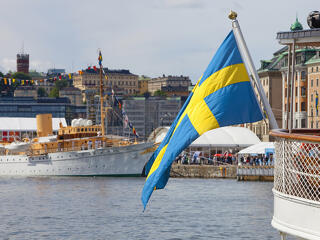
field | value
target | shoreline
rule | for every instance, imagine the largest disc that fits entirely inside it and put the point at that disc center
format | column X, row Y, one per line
column 240, row 173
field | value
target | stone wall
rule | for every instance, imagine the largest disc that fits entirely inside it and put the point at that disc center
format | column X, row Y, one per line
column 203, row 171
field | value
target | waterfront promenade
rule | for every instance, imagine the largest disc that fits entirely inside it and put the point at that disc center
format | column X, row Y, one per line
column 241, row 173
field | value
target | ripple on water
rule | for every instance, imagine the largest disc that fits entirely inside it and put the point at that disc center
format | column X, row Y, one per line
column 110, row 208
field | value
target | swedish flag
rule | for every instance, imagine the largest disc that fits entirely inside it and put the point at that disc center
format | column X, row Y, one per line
column 100, row 58
column 223, row 96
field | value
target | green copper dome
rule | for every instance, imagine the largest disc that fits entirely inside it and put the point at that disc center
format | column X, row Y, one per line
column 296, row 26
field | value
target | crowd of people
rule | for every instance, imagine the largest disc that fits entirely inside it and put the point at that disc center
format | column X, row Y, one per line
column 198, row 157
column 262, row 160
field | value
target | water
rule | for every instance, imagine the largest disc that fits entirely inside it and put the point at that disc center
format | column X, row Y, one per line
column 110, row 208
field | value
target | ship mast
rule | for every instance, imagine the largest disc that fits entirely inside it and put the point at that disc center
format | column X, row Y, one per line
column 101, row 97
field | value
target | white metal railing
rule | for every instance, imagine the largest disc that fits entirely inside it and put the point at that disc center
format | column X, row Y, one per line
column 297, row 168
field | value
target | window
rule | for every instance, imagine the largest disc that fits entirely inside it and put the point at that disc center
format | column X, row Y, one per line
column 311, row 97
column 303, row 123
column 298, row 59
column 296, row 123
column 317, row 82
column 303, row 75
column 311, row 112
column 303, row 91
column 296, row 91
column 311, row 82
column 303, row 106
column 296, row 107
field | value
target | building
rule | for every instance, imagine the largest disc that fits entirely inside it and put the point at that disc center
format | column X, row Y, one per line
column 146, row 114
column 313, row 69
column 29, row 107
column 143, row 84
column 113, row 115
column 25, row 91
column 55, row 71
column 160, row 83
column 122, row 81
column 271, row 80
column 45, row 84
column 300, row 95
column 274, row 78
column 23, row 62
column 172, row 91
column 74, row 95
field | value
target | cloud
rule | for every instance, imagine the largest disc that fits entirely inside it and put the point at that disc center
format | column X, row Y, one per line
column 7, row 64
column 179, row 4
column 41, row 66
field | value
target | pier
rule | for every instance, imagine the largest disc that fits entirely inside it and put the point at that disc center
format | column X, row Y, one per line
column 241, row 173
column 255, row 173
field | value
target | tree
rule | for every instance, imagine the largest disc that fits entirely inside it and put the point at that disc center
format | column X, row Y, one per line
column 42, row 92
column 1, row 74
column 159, row 93
column 54, row 92
column 61, row 84
column 21, row 75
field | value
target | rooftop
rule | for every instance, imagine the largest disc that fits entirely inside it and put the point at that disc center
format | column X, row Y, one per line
column 310, row 37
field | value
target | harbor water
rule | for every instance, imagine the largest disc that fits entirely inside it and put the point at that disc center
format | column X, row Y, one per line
column 110, row 208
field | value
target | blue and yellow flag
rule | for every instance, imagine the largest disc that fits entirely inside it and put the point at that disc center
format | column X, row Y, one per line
column 223, row 96
column 100, row 58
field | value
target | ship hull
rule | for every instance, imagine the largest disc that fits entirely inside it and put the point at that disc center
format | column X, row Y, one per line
column 113, row 161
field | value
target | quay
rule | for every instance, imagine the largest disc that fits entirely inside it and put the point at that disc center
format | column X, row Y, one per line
column 203, row 171
column 241, row 173
column 255, row 173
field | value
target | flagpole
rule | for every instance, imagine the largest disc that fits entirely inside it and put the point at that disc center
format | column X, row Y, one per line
column 247, row 57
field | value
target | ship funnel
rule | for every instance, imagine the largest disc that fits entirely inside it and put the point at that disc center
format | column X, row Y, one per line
column 44, row 125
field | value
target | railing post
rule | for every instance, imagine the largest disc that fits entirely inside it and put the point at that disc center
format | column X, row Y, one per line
column 282, row 162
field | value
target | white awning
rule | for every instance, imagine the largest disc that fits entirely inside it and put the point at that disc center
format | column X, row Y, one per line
column 220, row 137
column 26, row 124
column 227, row 137
column 259, row 148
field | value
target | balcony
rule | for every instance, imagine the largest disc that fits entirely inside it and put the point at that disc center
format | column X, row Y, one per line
column 297, row 183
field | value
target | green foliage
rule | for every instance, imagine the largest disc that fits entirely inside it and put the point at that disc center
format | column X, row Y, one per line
column 42, row 92
column 7, row 90
column 61, row 84
column 1, row 74
column 54, row 92
column 159, row 93
column 21, row 75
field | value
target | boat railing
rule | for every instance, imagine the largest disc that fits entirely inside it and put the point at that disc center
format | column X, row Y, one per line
column 297, row 165
column 297, row 183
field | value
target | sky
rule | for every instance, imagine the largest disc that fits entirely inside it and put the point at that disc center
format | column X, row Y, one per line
column 148, row 37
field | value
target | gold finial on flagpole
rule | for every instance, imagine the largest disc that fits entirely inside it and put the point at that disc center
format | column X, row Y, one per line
column 233, row 15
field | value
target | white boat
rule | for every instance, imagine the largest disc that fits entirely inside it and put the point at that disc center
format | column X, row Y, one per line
column 297, row 184
column 17, row 146
column 81, row 149
column 109, row 161
column 75, row 151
